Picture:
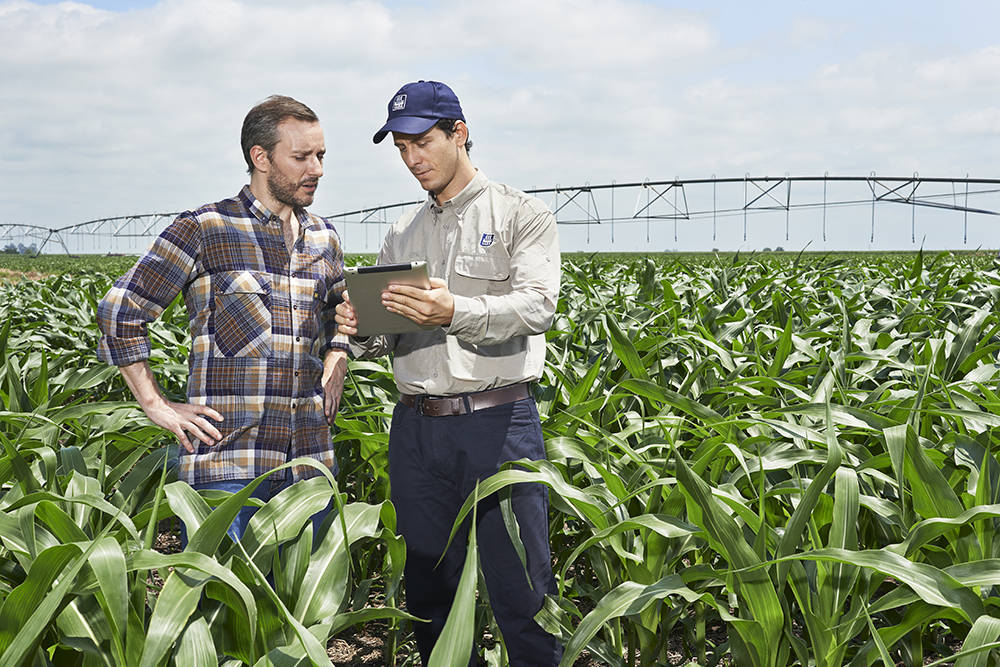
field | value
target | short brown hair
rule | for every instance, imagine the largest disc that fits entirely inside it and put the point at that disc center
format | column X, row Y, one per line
column 260, row 127
column 447, row 125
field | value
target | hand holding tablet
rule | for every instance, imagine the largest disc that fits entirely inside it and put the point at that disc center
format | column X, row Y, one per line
column 365, row 285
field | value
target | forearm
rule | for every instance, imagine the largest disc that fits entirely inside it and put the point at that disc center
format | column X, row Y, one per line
column 335, row 360
column 139, row 378
column 180, row 419
column 487, row 320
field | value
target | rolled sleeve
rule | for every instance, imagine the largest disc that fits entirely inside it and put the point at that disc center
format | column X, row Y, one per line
column 370, row 347
column 141, row 295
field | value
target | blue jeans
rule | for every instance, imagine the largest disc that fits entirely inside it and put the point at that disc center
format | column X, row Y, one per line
column 266, row 490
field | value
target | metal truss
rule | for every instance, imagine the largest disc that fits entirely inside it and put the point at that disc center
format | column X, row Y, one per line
column 103, row 230
column 712, row 198
column 655, row 202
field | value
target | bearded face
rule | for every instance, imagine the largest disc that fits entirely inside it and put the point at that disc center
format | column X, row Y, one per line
column 296, row 191
column 296, row 163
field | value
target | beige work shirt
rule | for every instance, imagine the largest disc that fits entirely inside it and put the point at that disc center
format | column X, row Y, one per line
column 498, row 250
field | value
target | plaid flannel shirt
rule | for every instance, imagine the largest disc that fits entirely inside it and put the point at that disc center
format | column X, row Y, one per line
column 260, row 318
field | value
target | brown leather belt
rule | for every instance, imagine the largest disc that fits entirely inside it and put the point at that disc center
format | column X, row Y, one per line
column 462, row 404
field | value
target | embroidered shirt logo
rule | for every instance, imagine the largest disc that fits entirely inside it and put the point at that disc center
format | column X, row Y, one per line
column 399, row 103
column 486, row 241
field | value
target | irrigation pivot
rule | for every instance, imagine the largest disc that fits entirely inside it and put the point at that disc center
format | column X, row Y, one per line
column 649, row 203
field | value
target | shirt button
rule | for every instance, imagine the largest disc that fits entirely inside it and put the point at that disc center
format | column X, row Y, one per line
column 293, row 405
column 295, row 307
column 298, row 338
column 296, row 373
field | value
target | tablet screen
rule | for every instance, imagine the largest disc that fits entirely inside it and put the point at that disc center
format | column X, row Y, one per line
column 366, row 284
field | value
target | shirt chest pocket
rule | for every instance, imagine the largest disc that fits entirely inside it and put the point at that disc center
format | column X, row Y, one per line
column 481, row 274
column 241, row 313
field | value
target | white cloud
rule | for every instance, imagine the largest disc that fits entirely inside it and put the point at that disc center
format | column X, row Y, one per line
column 807, row 31
column 109, row 113
column 977, row 69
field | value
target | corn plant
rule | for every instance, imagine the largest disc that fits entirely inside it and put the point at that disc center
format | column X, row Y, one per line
column 800, row 451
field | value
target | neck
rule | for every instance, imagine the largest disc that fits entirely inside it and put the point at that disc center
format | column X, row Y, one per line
column 258, row 186
column 463, row 176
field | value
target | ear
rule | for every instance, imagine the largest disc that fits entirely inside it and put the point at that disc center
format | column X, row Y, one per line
column 259, row 158
column 461, row 133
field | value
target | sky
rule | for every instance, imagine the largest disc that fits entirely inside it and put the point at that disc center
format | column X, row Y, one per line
column 120, row 108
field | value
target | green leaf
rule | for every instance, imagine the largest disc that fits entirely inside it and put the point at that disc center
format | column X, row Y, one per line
column 324, row 586
column 196, row 647
column 40, row 389
column 174, row 606
column 683, row 403
column 930, row 529
column 836, row 582
column 207, row 537
column 985, row 631
column 312, row 647
column 753, row 585
column 581, row 390
column 782, row 350
column 661, row 524
column 966, row 342
column 368, row 614
column 283, row 517
column 22, row 603
column 454, row 644
column 931, row 584
column 931, row 492
column 107, row 561
column 87, row 631
column 63, row 562
column 625, row 350
column 626, row 599
column 205, row 567
column 546, row 474
column 796, row 528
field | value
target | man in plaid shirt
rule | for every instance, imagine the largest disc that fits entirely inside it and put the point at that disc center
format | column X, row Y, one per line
column 260, row 278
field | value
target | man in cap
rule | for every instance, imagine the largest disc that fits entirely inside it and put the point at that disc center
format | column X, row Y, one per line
column 259, row 275
column 465, row 405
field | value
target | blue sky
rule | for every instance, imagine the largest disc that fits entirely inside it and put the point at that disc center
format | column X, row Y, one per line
column 113, row 108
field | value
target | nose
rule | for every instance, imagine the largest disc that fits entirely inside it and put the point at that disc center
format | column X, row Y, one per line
column 411, row 158
column 316, row 168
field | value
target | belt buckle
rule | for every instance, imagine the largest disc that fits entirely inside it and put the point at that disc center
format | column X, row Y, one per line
column 418, row 403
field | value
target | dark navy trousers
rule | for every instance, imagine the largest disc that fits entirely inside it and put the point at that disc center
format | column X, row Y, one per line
column 434, row 463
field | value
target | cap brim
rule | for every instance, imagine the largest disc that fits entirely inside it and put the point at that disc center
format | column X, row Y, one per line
column 405, row 125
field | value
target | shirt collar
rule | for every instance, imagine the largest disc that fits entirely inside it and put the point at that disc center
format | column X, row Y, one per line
column 264, row 214
column 459, row 202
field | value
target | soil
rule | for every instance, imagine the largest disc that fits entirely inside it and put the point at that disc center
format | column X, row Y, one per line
column 7, row 274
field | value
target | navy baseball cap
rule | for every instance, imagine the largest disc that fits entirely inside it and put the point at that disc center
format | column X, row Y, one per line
column 417, row 106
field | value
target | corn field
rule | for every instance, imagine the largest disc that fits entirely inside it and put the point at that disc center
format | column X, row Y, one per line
column 761, row 461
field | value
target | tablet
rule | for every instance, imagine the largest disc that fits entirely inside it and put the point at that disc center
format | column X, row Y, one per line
column 366, row 284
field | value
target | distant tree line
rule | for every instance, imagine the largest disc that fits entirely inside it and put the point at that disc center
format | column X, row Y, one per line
column 20, row 249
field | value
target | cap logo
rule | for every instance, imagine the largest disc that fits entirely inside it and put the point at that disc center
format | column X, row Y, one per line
column 399, row 103
column 486, row 241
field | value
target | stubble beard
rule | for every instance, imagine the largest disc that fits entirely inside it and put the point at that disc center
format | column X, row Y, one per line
column 285, row 191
